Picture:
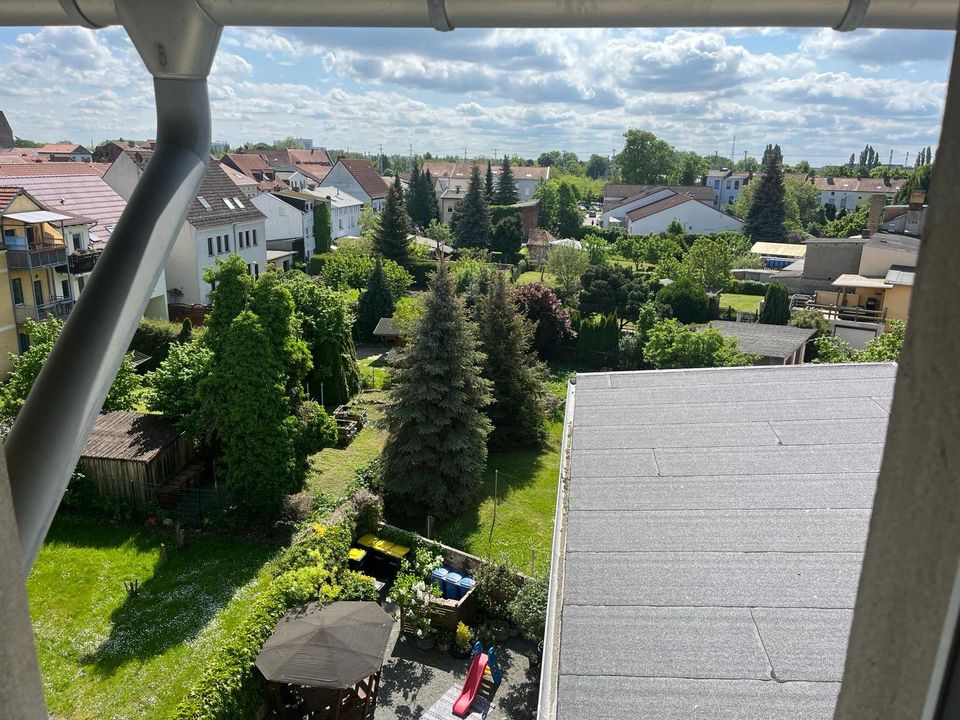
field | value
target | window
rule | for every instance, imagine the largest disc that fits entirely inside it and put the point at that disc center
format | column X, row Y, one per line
column 219, row 244
column 209, row 246
column 77, row 242
column 728, row 184
column 17, row 286
column 203, row 201
column 226, row 243
column 716, row 184
column 255, row 238
column 80, row 284
column 736, row 184
column 23, row 342
column 256, row 266
column 449, row 209
column 65, row 288
column 226, row 201
column 236, row 201
column 341, row 223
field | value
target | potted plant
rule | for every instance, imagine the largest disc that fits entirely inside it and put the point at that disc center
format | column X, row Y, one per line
column 444, row 639
column 424, row 633
column 462, row 640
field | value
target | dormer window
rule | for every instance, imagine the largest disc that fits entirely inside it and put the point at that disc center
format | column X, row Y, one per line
column 203, row 201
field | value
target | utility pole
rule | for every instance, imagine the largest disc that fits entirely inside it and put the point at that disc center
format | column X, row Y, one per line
column 464, row 154
column 906, row 159
column 496, row 153
column 381, row 158
column 733, row 149
column 890, row 162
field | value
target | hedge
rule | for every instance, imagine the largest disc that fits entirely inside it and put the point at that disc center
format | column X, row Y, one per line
column 313, row 568
column 153, row 338
column 748, row 287
column 343, row 270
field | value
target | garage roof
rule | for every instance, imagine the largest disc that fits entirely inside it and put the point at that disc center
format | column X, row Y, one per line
column 709, row 540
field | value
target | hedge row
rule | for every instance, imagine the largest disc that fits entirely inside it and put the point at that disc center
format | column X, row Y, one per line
column 312, row 568
column 748, row 287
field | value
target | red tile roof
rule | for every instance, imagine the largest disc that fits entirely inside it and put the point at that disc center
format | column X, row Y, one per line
column 12, row 160
column 62, row 149
column 7, row 194
column 54, row 168
column 238, row 177
column 247, row 163
column 461, row 171
column 368, row 178
column 309, row 157
column 78, row 195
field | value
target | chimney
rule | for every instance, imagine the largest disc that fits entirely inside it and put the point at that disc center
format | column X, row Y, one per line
column 876, row 212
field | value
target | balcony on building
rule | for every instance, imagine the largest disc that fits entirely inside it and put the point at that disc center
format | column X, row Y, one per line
column 55, row 307
column 34, row 242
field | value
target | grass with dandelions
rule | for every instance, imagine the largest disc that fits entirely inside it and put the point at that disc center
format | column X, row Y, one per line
column 106, row 656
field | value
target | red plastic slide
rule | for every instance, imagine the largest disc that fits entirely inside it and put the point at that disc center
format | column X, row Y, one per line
column 470, row 686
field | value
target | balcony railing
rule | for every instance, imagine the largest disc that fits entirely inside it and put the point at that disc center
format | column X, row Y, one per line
column 849, row 312
column 57, row 307
column 82, row 262
column 35, row 256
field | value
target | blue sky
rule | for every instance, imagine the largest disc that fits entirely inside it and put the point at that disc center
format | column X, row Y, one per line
column 820, row 94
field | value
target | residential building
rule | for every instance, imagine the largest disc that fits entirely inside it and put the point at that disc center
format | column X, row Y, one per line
column 357, row 178
column 86, row 196
column 108, row 152
column 726, row 185
column 449, row 198
column 288, row 224
column 615, row 194
column 219, row 223
column 344, row 210
column 708, row 540
column 451, row 175
column 770, row 344
column 310, row 157
column 697, row 217
column 244, row 183
column 252, row 165
column 65, row 152
column 851, row 193
column 7, row 140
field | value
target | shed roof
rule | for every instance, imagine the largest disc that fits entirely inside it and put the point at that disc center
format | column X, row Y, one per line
column 779, row 341
column 711, row 540
column 779, row 249
column 854, row 280
column 901, row 275
column 387, row 328
column 129, row 436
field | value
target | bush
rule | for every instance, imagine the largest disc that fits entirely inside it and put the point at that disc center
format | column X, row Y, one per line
column 776, row 305
column 153, row 337
column 497, row 586
column 421, row 271
column 748, row 287
column 357, row 586
column 600, row 334
column 346, row 270
column 687, row 301
column 528, row 610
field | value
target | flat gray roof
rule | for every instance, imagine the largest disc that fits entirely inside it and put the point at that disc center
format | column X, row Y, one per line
column 777, row 341
column 710, row 541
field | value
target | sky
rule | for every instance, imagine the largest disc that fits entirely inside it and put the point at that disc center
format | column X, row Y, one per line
column 820, row 94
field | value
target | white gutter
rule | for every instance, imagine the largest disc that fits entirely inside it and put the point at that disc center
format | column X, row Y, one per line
column 550, row 668
column 449, row 14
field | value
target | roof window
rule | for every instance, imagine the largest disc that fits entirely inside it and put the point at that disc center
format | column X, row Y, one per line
column 203, row 201
column 239, row 204
column 226, row 201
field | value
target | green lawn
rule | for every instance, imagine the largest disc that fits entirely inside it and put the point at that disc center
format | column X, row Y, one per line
column 527, row 496
column 533, row 276
column 104, row 656
column 750, row 303
column 332, row 470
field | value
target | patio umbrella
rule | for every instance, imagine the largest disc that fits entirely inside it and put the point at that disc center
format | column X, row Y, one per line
column 330, row 647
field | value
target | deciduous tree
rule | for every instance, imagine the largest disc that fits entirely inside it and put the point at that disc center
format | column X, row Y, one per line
column 687, row 301
column 672, row 345
column 567, row 264
column 540, row 305
column 708, row 263
column 569, row 219
column 645, row 159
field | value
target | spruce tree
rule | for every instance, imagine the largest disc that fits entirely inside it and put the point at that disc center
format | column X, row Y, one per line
column 471, row 218
column 392, row 240
column 776, row 305
column 507, row 188
column 433, row 205
column 488, row 184
column 375, row 302
column 506, row 339
column 436, row 448
column 416, row 202
column 766, row 218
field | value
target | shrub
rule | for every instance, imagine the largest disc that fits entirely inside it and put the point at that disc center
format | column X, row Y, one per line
column 346, row 270
column 776, row 305
column 153, row 337
column 497, row 586
column 357, row 586
column 528, row 610
column 464, row 636
column 672, row 345
column 600, row 333
column 748, row 287
column 688, row 301
column 541, row 306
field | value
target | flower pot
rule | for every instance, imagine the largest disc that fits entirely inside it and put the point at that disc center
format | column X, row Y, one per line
column 425, row 643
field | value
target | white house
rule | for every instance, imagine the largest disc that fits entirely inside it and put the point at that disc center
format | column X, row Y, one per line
column 850, row 193
column 697, row 217
column 219, row 223
column 726, row 185
column 289, row 222
column 69, row 152
column 344, row 210
column 450, row 175
column 356, row 178
column 617, row 215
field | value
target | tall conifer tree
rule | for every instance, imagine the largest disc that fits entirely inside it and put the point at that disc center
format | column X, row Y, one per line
column 507, row 188
column 433, row 205
column 375, row 302
column 766, row 218
column 436, row 449
column 488, row 184
column 392, row 240
column 516, row 376
column 471, row 218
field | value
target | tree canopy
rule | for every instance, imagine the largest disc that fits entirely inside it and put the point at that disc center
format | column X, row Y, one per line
column 645, row 159
column 671, row 345
column 776, row 305
column 552, row 327
column 471, row 218
column 506, row 192
column 392, row 240
column 766, row 218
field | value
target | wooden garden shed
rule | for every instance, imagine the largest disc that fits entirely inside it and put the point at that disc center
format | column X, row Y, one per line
column 129, row 455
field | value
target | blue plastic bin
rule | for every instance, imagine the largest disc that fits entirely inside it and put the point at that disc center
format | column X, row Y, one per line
column 466, row 585
column 451, row 589
column 440, row 578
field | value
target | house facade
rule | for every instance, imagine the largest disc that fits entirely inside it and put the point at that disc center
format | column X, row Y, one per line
column 727, row 185
column 697, row 218
column 288, row 222
column 219, row 223
column 851, row 193
column 65, row 152
column 356, row 178
column 451, row 175
column 344, row 210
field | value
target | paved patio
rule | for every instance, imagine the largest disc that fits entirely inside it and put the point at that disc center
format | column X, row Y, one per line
column 413, row 680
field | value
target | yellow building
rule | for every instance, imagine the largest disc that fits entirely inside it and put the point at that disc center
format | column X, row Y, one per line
column 38, row 248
